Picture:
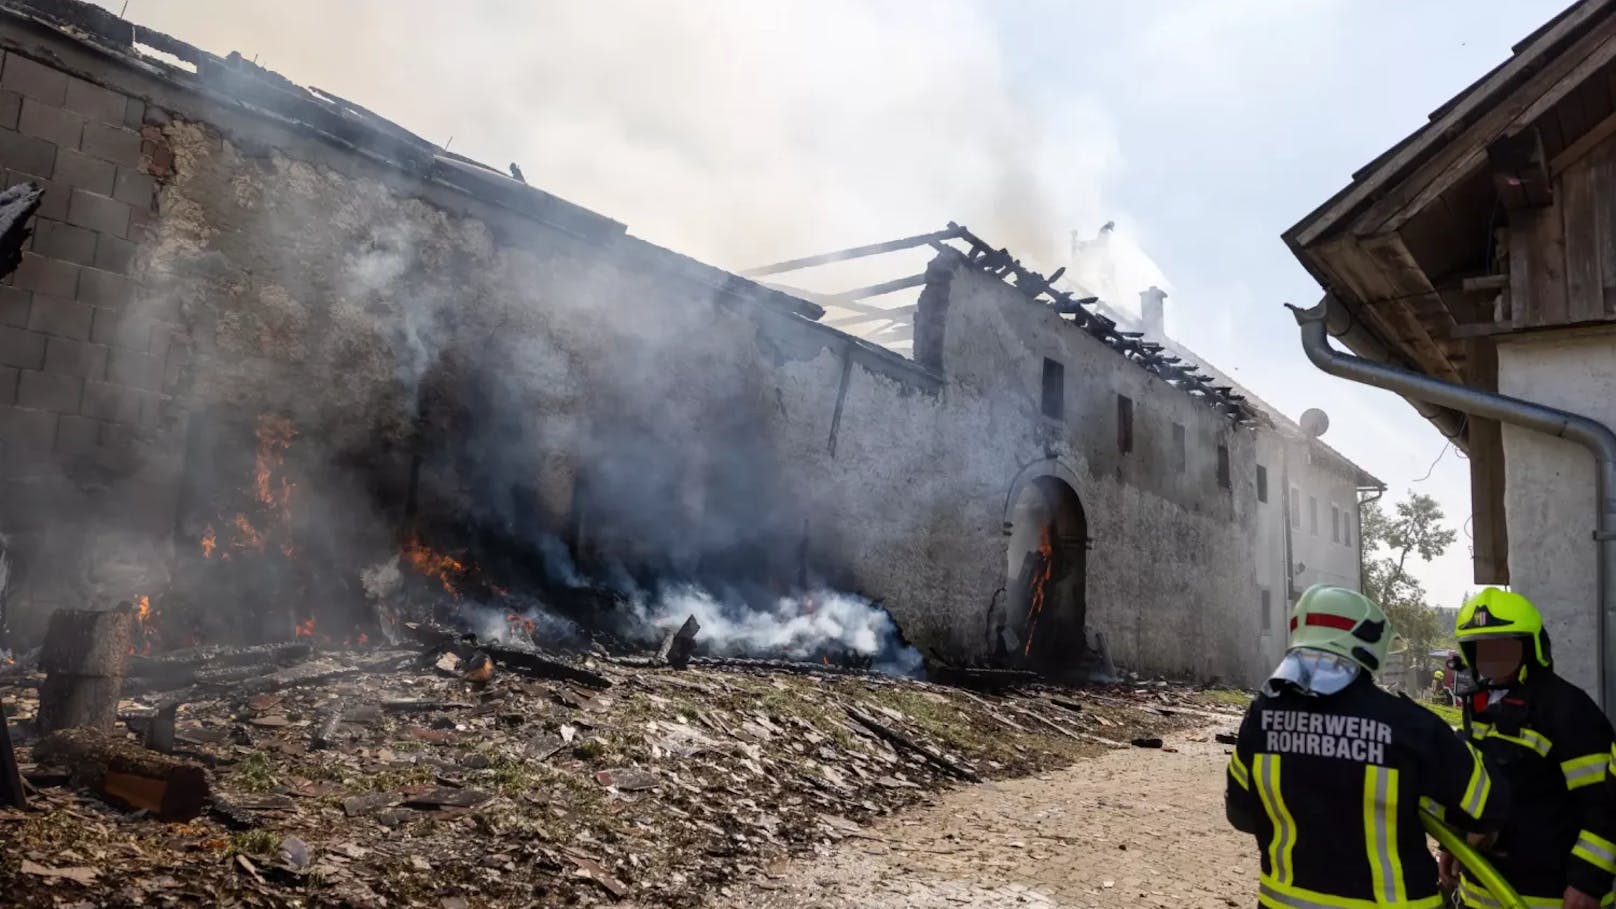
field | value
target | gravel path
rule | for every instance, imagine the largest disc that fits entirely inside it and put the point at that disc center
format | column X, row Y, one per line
column 1135, row 828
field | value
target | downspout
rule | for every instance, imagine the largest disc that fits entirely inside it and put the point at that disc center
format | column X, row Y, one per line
column 1587, row 432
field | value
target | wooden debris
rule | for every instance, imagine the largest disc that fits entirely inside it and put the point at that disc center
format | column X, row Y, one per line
column 325, row 731
column 85, row 656
column 902, row 741
column 360, row 805
column 447, row 798
column 680, row 644
column 125, row 773
column 303, row 674
column 17, row 205
column 213, row 663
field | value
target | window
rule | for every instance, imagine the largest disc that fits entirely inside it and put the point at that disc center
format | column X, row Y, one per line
column 1296, row 508
column 1124, row 424
column 1054, row 389
column 1267, row 611
column 1335, row 523
column 1262, row 483
column 1313, row 515
column 1223, row 466
column 1178, row 447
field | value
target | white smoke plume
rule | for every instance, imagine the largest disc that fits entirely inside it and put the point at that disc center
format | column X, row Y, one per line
column 798, row 627
column 733, row 131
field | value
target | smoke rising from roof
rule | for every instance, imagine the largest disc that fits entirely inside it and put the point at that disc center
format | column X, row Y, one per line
column 732, row 131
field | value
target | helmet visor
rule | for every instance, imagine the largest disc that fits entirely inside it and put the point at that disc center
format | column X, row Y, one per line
column 1314, row 672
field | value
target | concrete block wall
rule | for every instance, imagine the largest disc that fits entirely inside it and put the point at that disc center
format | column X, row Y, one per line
column 82, row 373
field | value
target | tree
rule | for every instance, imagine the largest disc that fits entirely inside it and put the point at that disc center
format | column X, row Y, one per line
column 1415, row 529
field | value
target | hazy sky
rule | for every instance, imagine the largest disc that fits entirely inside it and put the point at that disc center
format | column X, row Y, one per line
column 741, row 131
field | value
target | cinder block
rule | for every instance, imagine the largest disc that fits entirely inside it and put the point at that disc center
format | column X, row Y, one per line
column 26, row 431
column 135, row 188
column 59, row 317
column 77, row 435
column 114, row 143
column 47, row 276
column 99, row 213
column 75, row 358
column 121, row 329
column 104, row 288
column 10, row 109
column 8, row 385
column 134, row 114
column 23, row 349
column 95, row 102
column 29, row 154
column 48, row 391
column 53, row 204
column 151, row 409
column 114, row 254
column 78, row 169
column 64, row 241
column 14, row 306
column 116, row 403
column 135, row 369
column 36, row 80
column 56, row 125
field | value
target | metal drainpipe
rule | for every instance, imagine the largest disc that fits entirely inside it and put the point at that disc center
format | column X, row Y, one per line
column 1585, row 431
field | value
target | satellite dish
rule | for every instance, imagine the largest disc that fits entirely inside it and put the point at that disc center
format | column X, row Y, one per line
column 1315, row 422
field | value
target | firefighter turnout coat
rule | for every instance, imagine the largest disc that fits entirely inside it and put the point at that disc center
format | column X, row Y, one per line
column 1553, row 746
column 1330, row 786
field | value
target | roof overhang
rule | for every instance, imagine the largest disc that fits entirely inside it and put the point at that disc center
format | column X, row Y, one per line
column 1408, row 247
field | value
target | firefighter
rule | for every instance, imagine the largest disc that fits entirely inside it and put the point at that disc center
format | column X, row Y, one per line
column 1547, row 739
column 1329, row 770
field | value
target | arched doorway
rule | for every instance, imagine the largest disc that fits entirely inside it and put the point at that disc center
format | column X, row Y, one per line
column 1042, row 624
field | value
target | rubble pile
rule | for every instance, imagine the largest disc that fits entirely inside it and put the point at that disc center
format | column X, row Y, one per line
column 403, row 777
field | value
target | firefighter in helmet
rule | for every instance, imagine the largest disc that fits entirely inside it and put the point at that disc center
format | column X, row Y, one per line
column 1330, row 771
column 1551, row 743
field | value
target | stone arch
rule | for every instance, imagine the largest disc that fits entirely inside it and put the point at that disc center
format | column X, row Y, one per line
column 1040, row 622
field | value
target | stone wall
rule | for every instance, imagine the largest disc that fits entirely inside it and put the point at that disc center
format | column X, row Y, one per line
column 200, row 265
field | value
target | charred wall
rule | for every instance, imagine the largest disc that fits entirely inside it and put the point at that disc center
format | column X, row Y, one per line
column 429, row 362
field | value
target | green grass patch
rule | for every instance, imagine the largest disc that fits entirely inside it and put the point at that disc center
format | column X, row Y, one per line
column 255, row 773
column 255, row 842
column 1228, row 697
column 1453, row 716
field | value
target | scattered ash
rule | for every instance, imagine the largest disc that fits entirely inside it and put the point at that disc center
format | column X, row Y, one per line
column 403, row 783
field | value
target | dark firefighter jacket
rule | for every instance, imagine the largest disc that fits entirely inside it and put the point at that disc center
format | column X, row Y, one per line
column 1552, row 745
column 1331, row 785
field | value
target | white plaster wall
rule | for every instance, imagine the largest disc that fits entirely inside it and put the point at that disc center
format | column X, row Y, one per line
column 1549, row 490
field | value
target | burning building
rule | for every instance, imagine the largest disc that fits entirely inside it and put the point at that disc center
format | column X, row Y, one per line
column 281, row 368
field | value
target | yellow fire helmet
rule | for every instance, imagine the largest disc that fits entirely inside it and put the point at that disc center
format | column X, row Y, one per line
column 1495, row 613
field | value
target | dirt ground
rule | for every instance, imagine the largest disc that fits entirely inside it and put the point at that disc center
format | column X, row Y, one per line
column 1138, row 828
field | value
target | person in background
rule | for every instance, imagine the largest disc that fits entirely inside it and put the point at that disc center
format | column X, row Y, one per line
column 1330, row 771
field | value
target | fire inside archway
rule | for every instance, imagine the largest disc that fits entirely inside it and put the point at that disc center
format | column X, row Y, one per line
column 1042, row 625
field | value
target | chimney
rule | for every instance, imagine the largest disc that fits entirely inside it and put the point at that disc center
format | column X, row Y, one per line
column 1152, row 312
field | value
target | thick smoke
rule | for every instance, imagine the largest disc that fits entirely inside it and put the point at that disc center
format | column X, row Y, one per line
column 736, row 132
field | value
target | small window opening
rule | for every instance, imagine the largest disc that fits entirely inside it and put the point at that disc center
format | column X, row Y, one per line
column 1054, row 389
column 1124, row 424
column 1262, row 483
column 1223, row 467
column 1178, row 447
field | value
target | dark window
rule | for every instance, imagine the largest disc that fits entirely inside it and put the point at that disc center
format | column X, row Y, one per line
column 1223, row 466
column 1124, row 424
column 1335, row 524
column 1313, row 515
column 1267, row 611
column 1178, row 447
column 1262, row 483
column 1054, row 389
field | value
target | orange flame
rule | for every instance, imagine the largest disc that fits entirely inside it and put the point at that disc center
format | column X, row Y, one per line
column 247, row 536
column 275, row 435
column 305, row 628
column 446, row 569
column 363, row 639
column 522, row 622
column 1046, row 551
column 210, row 542
column 144, row 614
